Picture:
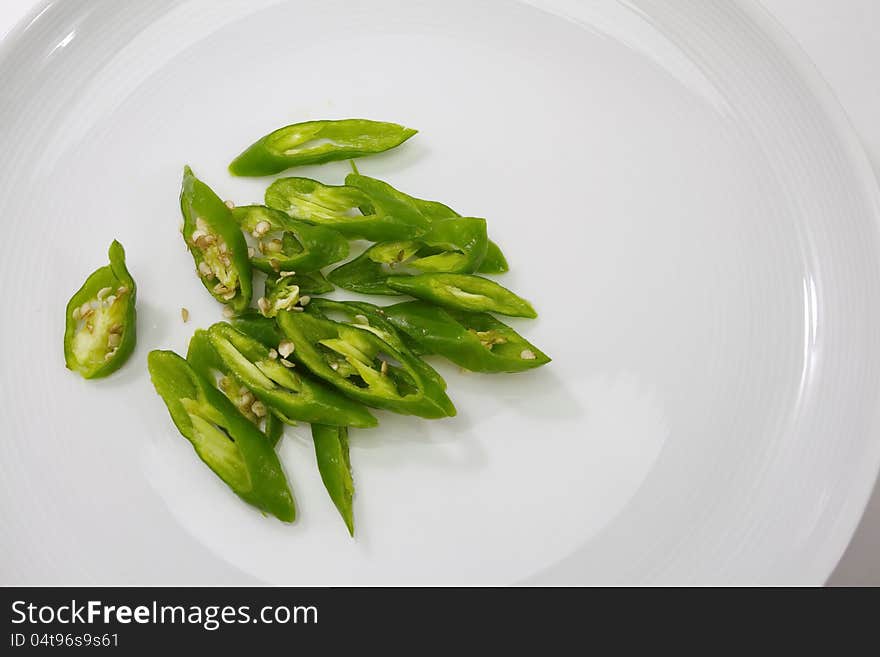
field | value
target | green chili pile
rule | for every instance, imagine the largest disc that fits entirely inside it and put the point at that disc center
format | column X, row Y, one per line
column 290, row 355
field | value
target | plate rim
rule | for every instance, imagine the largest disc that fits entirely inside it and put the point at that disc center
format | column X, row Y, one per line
column 868, row 180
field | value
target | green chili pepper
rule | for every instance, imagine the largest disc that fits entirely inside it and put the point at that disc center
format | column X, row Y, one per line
column 372, row 318
column 282, row 293
column 272, row 379
column 349, row 210
column 204, row 359
column 334, row 464
column 273, row 428
column 455, row 245
column 367, row 273
column 259, row 327
column 363, row 366
column 216, row 243
column 449, row 245
column 317, row 142
column 361, row 315
column 393, row 203
column 100, row 319
column 474, row 341
column 464, row 292
column 494, row 261
column 286, row 244
column 431, row 209
column 225, row 440
column 285, row 291
column 308, row 282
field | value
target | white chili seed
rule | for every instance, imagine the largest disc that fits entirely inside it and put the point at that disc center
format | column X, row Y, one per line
column 205, row 270
column 258, row 408
column 527, row 354
column 287, row 363
column 384, row 368
column 201, row 225
column 103, row 292
column 205, row 241
column 113, row 340
column 228, row 312
column 263, row 305
column 273, row 354
column 230, row 204
column 122, row 289
column 262, row 228
column 304, row 301
column 77, row 313
column 285, row 274
column 251, row 252
column 110, row 300
column 197, row 235
column 229, row 295
column 285, row 348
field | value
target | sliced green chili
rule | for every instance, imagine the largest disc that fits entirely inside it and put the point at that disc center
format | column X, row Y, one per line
column 494, row 261
column 282, row 293
column 273, row 380
column 259, row 327
column 284, row 244
column 367, row 273
column 286, row 292
column 452, row 245
column 372, row 318
column 361, row 315
column 308, row 282
column 225, row 440
column 204, row 359
column 474, row 341
column 100, row 319
column 216, row 243
column 334, row 464
column 363, row 366
column 449, row 245
column 317, row 142
column 347, row 209
column 464, row 292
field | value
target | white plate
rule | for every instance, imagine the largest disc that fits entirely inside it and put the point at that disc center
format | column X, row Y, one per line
column 675, row 189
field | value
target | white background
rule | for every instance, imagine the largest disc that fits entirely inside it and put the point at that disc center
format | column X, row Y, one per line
column 840, row 36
